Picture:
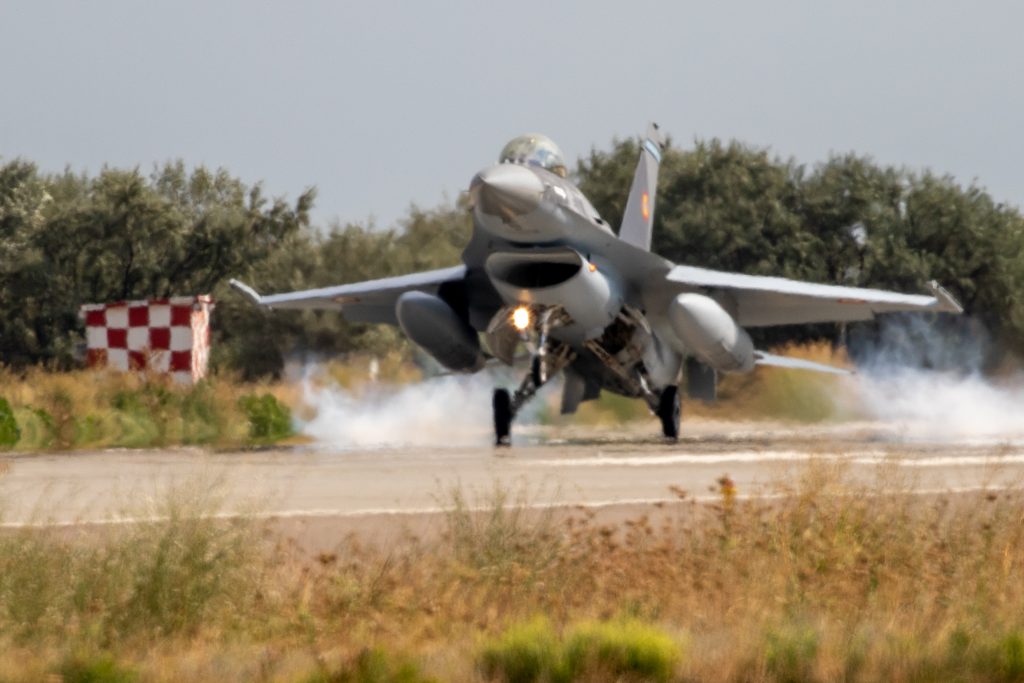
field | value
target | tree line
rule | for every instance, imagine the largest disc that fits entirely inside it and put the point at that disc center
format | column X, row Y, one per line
column 68, row 239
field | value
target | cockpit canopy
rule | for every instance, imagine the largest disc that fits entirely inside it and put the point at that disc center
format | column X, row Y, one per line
column 534, row 149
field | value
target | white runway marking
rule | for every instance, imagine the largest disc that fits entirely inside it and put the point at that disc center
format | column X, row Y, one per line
column 858, row 458
column 434, row 510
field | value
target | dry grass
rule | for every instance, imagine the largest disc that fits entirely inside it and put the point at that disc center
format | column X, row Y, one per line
column 91, row 409
column 781, row 394
column 831, row 581
column 766, row 394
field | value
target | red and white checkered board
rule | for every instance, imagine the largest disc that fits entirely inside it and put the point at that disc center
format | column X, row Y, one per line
column 157, row 335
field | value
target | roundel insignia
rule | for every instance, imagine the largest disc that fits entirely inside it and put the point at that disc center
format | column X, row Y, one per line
column 645, row 206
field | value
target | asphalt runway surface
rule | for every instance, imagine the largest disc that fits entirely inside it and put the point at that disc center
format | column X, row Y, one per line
column 571, row 467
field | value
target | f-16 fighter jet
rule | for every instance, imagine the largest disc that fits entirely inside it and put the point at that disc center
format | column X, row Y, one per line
column 544, row 271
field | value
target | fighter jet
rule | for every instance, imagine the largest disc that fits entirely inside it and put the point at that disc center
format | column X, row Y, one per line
column 543, row 271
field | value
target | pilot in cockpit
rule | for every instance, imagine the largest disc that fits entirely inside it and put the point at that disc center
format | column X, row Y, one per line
column 535, row 149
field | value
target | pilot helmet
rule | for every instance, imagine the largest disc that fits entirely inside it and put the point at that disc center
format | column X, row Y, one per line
column 534, row 149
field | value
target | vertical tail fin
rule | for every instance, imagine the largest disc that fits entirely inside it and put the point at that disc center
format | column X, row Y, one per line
column 638, row 218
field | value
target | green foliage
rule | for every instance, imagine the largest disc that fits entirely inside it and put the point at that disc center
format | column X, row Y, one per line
column 524, row 653
column 69, row 239
column 87, row 409
column 592, row 650
column 627, row 649
column 66, row 240
column 374, row 666
column 96, row 668
column 269, row 419
column 790, row 653
column 9, row 430
column 36, row 427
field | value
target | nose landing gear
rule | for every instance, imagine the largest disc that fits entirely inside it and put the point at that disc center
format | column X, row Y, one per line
column 549, row 357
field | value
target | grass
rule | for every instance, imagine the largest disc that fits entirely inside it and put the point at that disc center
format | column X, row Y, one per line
column 40, row 410
column 833, row 580
column 766, row 394
column 500, row 533
column 153, row 579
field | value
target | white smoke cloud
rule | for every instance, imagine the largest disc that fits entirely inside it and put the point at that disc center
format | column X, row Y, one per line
column 944, row 406
column 452, row 411
column 928, row 380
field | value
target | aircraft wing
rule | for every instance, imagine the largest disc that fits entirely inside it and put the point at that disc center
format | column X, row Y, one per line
column 762, row 301
column 371, row 301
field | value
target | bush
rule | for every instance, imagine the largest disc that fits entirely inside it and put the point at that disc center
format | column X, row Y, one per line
column 269, row 419
column 593, row 650
column 995, row 657
column 9, row 431
column 374, row 666
column 101, row 668
column 790, row 653
column 523, row 654
column 621, row 649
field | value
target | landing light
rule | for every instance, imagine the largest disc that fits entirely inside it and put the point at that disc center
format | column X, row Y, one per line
column 521, row 318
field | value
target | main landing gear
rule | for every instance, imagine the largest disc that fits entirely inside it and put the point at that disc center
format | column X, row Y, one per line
column 669, row 410
column 618, row 360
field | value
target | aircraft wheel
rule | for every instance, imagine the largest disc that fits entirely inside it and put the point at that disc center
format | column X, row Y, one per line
column 502, row 404
column 536, row 371
column 669, row 408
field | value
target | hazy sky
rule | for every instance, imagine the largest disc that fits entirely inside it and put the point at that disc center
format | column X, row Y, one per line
column 380, row 104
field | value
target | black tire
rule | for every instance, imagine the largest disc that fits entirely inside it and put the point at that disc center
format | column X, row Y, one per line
column 502, row 405
column 535, row 372
column 669, row 410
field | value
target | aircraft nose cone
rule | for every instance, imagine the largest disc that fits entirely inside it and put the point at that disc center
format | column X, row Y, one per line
column 508, row 190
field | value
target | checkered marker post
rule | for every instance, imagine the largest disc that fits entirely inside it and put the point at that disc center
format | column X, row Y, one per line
column 168, row 336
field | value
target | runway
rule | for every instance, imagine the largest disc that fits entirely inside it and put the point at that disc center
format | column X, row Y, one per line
column 548, row 467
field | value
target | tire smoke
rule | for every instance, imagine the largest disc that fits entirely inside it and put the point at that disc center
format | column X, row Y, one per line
column 451, row 410
column 441, row 411
column 928, row 379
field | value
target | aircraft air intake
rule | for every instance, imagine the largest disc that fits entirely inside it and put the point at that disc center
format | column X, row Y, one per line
column 557, row 277
column 710, row 333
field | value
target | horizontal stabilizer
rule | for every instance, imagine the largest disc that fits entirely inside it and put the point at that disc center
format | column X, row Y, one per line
column 762, row 358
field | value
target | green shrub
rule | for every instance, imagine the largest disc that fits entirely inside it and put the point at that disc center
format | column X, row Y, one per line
column 523, row 654
column 790, row 653
column 97, row 668
column 152, row 404
column 993, row 657
column 9, row 431
column 620, row 649
column 374, row 666
column 269, row 419
column 202, row 419
column 593, row 650
column 35, row 426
